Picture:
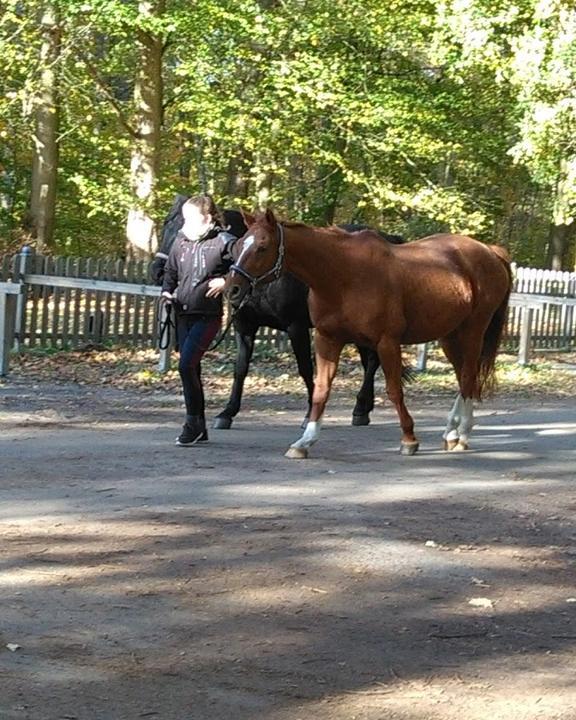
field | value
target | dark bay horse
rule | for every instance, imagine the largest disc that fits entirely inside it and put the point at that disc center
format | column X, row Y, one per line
column 366, row 290
column 282, row 305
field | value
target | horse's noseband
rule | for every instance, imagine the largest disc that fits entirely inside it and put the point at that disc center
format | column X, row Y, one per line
column 275, row 270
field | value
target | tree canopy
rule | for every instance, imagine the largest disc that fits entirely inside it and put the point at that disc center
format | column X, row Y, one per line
column 413, row 115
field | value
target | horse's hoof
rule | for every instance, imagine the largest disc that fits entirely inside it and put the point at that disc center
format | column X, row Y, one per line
column 222, row 422
column 461, row 447
column 409, row 448
column 296, row 453
column 449, row 445
column 359, row 420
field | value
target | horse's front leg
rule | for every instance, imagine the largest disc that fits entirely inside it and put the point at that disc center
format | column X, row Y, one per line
column 245, row 347
column 365, row 398
column 390, row 356
column 327, row 357
column 299, row 334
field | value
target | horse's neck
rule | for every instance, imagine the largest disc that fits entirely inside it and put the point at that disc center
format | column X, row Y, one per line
column 307, row 250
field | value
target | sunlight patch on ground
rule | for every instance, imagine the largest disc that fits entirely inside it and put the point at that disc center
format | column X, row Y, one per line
column 537, row 428
column 518, row 696
column 353, row 490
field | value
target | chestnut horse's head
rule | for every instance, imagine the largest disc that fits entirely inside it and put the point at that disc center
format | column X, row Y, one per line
column 259, row 256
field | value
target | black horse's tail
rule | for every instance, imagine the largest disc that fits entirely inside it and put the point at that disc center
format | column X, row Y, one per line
column 486, row 379
column 409, row 374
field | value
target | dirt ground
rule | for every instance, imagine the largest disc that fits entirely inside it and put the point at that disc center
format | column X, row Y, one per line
column 141, row 580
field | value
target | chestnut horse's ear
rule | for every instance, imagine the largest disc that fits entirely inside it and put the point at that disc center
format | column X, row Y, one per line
column 248, row 218
column 270, row 217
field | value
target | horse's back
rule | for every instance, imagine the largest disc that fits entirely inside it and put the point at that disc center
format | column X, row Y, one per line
column 485, row 268
column 462, row 248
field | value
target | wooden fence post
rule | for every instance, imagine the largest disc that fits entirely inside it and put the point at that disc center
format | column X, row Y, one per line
column 9, row 295
column 525, row 335
column 21, row 268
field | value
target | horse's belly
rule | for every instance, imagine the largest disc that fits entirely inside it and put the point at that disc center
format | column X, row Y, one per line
column 348, row 332
column 434, row 322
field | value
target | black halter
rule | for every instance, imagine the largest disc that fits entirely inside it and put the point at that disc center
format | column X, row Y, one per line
column 275, row 270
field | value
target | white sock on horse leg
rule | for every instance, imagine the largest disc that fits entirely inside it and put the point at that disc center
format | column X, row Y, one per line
column 309, row 437
column 466, row 420
column 453, row 421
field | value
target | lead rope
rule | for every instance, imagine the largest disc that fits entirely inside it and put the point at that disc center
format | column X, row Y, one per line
column 231, row 316
column 166, row 326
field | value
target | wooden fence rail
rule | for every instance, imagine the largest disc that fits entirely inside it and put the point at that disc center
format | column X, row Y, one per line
column 71, row 302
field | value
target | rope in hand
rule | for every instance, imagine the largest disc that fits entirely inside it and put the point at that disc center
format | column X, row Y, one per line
column 165, row 326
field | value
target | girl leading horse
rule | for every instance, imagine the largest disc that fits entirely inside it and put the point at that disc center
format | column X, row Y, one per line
column 366, row 290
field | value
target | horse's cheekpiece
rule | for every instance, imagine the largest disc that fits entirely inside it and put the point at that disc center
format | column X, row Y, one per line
column 275, row 270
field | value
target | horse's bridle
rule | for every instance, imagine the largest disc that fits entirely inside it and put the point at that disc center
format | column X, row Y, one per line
column 275, row 270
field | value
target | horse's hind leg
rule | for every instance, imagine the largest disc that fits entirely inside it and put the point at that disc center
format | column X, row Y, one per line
column 466, row 424
column 451, row 432
column 365, row 398
column 327, row 357
column 390, row 356
column 463, row 350
column 299, row 334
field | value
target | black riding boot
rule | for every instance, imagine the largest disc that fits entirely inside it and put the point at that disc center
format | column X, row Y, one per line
column 193, row 431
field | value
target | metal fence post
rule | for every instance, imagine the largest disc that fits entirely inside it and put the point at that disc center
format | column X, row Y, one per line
column 21, row 268
column 421, row 357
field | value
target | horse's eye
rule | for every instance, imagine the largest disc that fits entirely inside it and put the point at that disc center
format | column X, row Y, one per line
column 260, row 249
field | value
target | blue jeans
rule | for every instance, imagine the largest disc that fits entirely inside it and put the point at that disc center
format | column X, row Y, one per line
column 195, row 333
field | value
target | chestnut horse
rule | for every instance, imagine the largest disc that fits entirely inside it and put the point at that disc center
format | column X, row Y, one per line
column 366, row 290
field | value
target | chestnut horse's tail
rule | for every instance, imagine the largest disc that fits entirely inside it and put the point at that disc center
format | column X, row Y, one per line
column 486, row 379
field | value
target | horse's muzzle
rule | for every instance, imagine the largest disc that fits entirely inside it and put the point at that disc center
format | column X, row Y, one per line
column 236, row 293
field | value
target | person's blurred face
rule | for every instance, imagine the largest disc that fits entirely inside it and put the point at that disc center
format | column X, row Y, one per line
column 196, row 223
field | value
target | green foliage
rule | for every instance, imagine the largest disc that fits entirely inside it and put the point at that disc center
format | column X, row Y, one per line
column 417, row 116
column 544, row 72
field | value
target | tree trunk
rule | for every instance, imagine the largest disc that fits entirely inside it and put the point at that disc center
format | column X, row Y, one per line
column 148, row 99
column 562, row 227
column 328, row 184
column 331, row 190
column 263, row 178
column 237, row 182
column 185, row 161
column 42, row 209
column 558, row 244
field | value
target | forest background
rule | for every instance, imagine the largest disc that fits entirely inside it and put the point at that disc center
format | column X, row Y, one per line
column 409, row 115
